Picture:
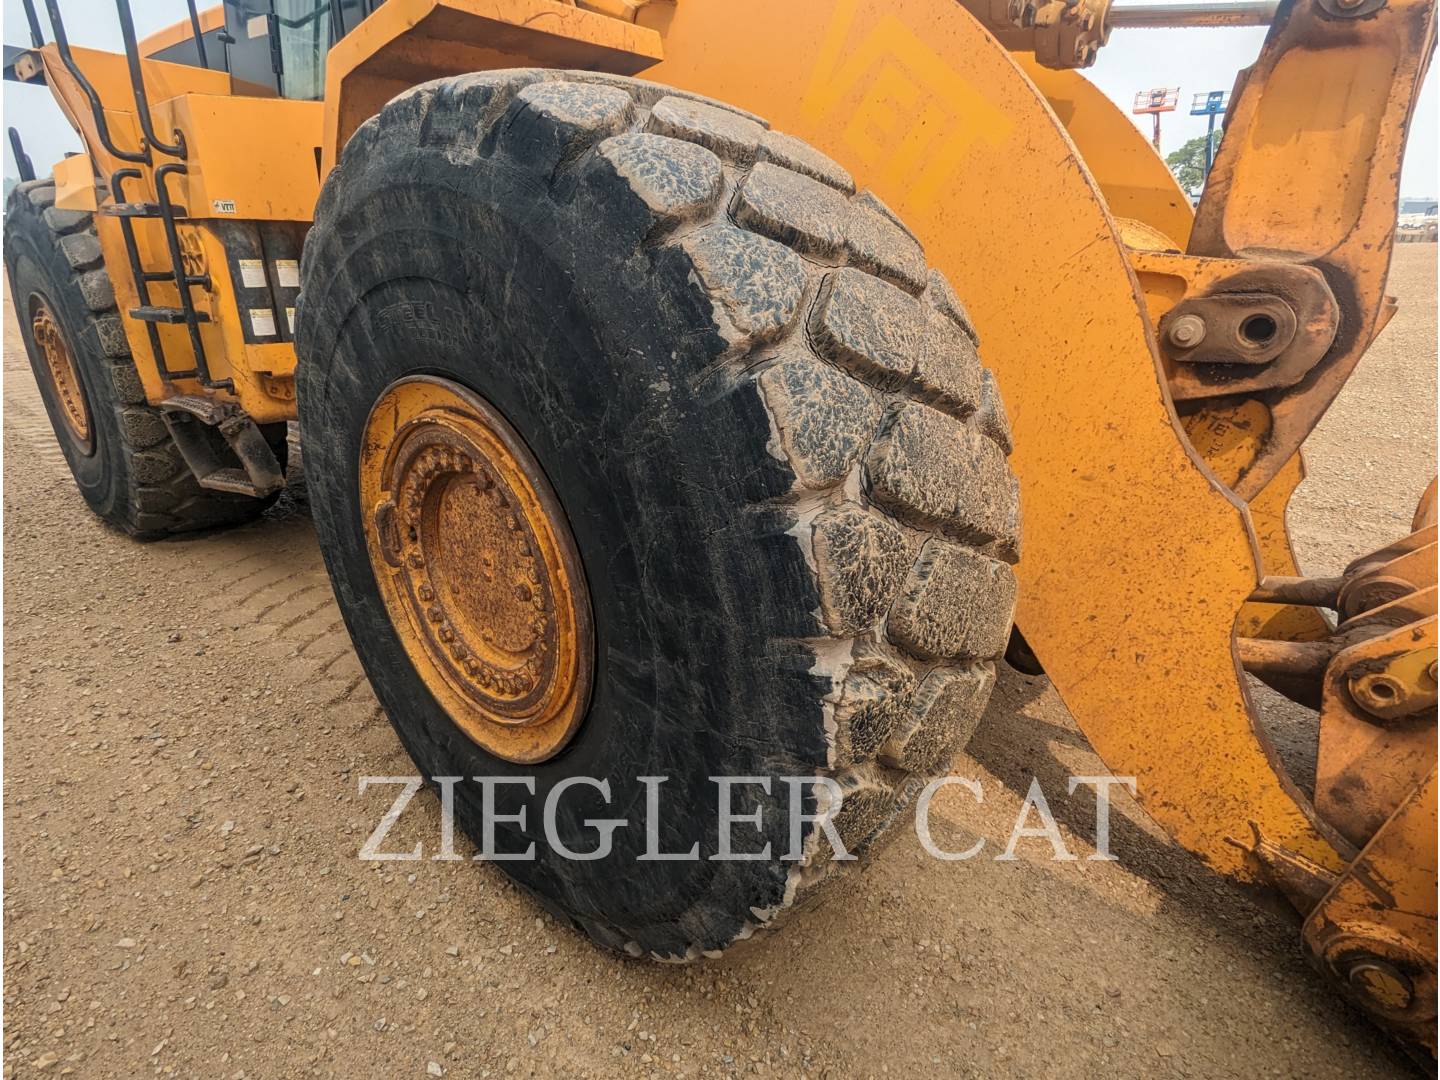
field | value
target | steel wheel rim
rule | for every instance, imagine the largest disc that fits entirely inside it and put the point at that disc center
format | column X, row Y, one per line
column 476, row 567
column 68, row 390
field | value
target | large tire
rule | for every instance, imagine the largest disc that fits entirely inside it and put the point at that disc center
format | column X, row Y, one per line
column 765, row 419
column 128, row 468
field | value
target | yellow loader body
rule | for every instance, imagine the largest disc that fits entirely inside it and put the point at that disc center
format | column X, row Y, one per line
column 1161, row 366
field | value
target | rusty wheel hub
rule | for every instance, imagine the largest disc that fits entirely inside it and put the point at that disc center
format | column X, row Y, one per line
column 477, row 568
column 64, row 378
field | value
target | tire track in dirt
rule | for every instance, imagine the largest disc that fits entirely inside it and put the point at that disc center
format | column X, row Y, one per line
column 265, row 580
column 25, row 414
column 123, row 762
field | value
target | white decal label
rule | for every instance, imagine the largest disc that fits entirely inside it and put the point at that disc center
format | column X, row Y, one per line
column 287, row 273
column 258, row 26
column 262, row 322
column 223, row 206
column 290, row 319
column 252, row 273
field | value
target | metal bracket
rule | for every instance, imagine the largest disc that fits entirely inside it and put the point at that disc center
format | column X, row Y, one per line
column 1243, row 325
column 1350, row 9
column 193, row 421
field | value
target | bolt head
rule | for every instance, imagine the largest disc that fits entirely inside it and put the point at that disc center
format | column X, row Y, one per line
column 1187, row 331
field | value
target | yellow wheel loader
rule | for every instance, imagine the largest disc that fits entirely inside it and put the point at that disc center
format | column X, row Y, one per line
column 635, row 347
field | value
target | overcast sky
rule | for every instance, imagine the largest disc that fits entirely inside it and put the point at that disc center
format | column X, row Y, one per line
column 1194, row 60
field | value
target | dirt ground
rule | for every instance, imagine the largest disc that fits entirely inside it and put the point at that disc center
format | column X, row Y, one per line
column 186, row 722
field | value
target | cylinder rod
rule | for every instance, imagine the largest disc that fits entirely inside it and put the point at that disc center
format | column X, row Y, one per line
column 1159, row 13
column 1305, row 591
column 1304, row 658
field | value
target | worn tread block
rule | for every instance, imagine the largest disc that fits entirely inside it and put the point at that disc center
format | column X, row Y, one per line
column 359, row 149
column 823, row 419
column 860, row 558
column 676, row 180
column 577, row 107
column 890, row 339
column 730, row 135
column 156, row 500
column 409, row 109
column 991, row 417
column 868, row 806
column 154, row 466
column 879, row 244
column 801, row 213
column 799, row 156
column 142, row 427
column 874, row 699
column 111, row 333
column 955, row 603
column 550, row 123
column 871, row 201
column 463, row 109
column 931, row 470
column 755, row 282
column 947, row 370
column 128, row 388
column 97, row 289
column 943, row 714
column 82, row 251
column 40, row 192
column 66, row 221
column 940, row 295
column 647, row 94
column 868, row 327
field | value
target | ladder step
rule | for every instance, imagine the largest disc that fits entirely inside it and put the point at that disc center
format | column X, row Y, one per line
column 137, row 210
column 235, row 481
column 165, row 314
column 196, row 281
column 191, row 417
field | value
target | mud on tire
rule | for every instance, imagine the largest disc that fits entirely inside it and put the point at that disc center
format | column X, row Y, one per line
column 129, row 470
column 783, row 465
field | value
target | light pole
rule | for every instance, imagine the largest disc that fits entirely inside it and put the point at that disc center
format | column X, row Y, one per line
column 1211, row 104
column 1156, row 102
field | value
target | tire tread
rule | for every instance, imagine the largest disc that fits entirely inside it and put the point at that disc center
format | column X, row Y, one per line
column 161, row 496
column 790, row 235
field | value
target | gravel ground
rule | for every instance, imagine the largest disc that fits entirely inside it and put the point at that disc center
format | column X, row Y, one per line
column 184, row 730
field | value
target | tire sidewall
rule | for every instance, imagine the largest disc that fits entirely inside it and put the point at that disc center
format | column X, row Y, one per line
column 37, row 269
column 680, row 689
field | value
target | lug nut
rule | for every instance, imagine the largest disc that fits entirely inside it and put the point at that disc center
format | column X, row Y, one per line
column 1187, row 331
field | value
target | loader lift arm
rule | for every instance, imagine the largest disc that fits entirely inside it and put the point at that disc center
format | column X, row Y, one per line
column 1160, row 372
column 1261, row 310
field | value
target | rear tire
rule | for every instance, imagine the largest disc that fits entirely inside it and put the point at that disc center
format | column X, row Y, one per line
column 765, row 420
column 127, row 467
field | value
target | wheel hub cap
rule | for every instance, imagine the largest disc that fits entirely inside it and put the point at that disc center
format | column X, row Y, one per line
column 65, row 380
column 477, row 568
